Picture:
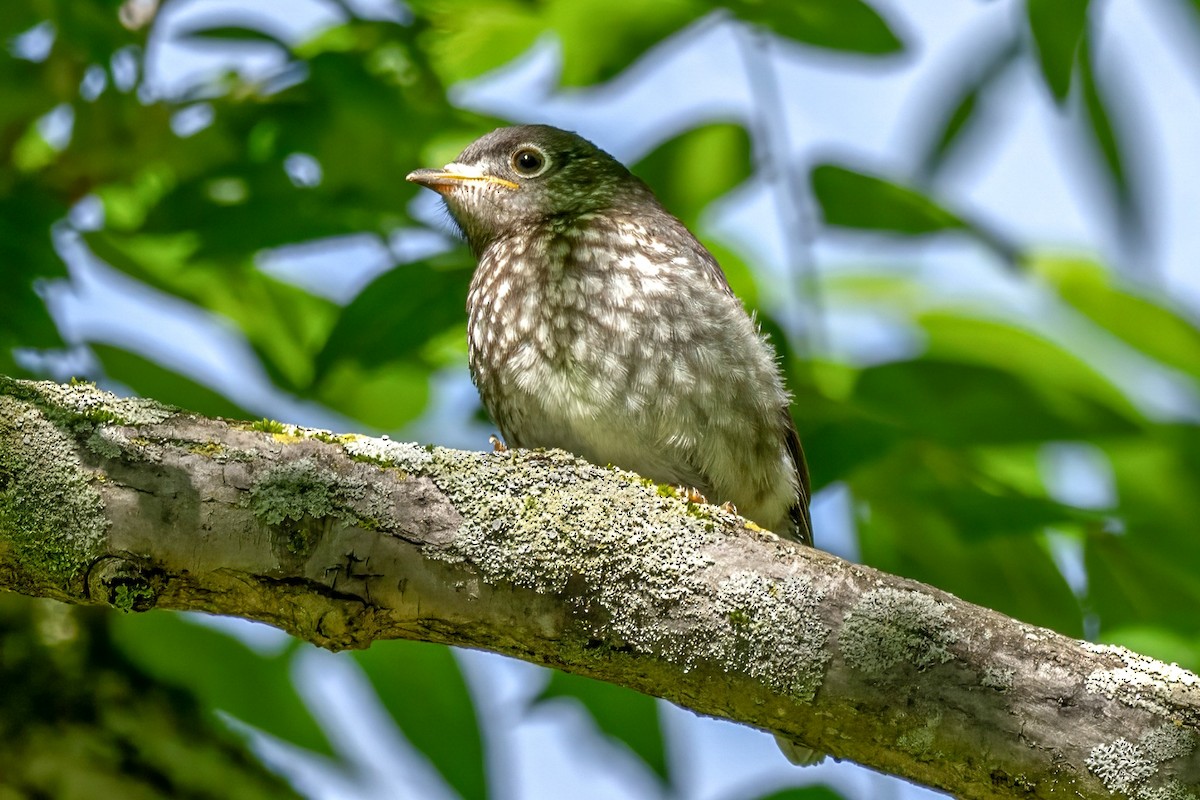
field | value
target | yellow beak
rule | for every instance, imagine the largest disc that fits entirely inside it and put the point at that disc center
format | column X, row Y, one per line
column 452, row 175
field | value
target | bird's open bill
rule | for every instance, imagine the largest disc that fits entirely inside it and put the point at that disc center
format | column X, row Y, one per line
column 445, row 179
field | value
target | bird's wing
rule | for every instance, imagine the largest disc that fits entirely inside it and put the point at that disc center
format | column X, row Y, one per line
column 694, row 247
column 714, row 270
column 799, row 512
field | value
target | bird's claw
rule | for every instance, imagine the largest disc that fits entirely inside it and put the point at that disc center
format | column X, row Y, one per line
column 498, row 445
column 730, row 507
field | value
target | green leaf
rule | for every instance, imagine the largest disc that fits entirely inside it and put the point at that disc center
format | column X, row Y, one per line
column 24, row 96
column 692, row 170
column 993, row 510
column 249, row 31
column 838, row 444
column 1159, row 643
column 850, row 25
column 1058, row 28
column 966, row 404
column 383, row 398
column 1149, row 325
column 906, row 528
column 602, row 38
column 851, row 199
column 286, row 326
column 1114, row 153
column 422, row 687
column 28, row 258
column 400, row 312
column 1146, row 573
column 1069, row 385
column 467, row 39
column 985, row 491
column 625, row 715
column 1133, row 581
column 223, row 673
column 599, row 38
column 954, row 109
column 150, row 379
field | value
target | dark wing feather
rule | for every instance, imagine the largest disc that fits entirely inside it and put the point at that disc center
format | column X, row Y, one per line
column 799, row 512
column 801, row 521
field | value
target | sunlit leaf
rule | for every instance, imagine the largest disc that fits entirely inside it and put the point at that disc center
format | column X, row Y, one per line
column 1149, row 324
column 599, row 38
column 32, row 153
column 383, row 398
column 693, row 169
column 467, row 39
column 852, row 199
column 421, row 686
column 836, row 24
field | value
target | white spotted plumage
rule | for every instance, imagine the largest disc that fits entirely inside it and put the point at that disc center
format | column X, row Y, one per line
column 599, row 324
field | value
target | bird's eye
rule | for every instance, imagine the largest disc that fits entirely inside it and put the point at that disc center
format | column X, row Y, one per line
column 529, row 162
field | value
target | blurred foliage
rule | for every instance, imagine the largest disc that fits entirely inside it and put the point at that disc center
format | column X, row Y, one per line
column 1058, row 28
column 600, row 38
column 79, row 721
column 222, row 673
column 628, row 717
column 807, row 793
column 943, row 453
column 418, row 683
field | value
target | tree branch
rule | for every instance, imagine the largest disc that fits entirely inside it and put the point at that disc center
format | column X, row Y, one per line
column 342, row 540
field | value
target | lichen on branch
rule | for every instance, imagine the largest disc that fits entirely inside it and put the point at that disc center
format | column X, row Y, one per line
column 343, row 540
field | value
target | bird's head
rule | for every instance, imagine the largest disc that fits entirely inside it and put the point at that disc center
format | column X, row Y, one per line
column 518, row 177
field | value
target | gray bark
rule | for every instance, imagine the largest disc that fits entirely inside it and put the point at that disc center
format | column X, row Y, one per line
column 342, row 540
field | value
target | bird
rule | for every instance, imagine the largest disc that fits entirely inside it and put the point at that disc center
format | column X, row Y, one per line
column 599, row 324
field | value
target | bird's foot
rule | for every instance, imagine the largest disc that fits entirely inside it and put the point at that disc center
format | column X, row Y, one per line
column 498, row 445
column 691, row 494
column 730, row 507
